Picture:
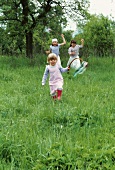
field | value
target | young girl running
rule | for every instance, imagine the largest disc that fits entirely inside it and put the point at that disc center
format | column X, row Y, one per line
column 74, row 53
column 54, row 48
column 55, row 79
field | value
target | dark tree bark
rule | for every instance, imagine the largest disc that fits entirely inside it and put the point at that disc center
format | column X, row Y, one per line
column 25, row 23
column 28, row 31
column 29, row 44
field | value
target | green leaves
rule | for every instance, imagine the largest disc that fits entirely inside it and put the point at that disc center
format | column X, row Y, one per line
column 26, row 16
column 99, row 35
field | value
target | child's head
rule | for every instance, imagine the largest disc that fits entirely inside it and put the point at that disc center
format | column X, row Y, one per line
column 54, row 42
column 72, row 43
column 52, row 59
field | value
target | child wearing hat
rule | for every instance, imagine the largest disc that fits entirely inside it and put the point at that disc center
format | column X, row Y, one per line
column 55, row 76
column 54, row 48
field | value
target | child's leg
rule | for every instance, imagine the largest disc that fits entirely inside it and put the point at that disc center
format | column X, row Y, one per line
column 59, row 89
column 54, row 97
column 53, row 92
column 59, row 94
column 77, row 64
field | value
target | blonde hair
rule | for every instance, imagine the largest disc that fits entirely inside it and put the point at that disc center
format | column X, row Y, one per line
column 51, row 56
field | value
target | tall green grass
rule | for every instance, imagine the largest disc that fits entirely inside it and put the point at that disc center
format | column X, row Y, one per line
column 77, row 132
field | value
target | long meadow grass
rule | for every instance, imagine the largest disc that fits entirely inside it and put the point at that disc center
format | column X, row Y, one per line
column 76, row 133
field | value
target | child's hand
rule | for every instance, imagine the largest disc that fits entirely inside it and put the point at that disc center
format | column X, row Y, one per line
column 68, row 68
column 47, row 52
column 82, row 40
column 73, row 53
column 62, row 35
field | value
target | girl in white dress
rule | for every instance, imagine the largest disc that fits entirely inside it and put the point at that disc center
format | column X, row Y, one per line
column 74, row 53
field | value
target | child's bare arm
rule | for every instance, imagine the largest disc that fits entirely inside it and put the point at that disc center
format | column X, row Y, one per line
column 48, row 52
column 64, row 41
column 82, row 42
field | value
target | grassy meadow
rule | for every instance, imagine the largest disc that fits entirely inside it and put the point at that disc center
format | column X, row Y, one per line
column 76, row 133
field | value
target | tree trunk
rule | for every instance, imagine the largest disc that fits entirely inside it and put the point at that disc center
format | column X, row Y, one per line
column 29, row 27
column 29, row 44
column 28, row 32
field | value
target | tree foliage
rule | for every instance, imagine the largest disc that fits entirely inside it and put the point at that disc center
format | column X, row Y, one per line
column 23, row 17
column 99, row 36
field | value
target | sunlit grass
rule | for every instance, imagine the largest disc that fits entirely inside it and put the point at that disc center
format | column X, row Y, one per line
column 76, row 132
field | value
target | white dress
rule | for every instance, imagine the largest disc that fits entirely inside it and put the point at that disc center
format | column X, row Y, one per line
column 76, row 63
column 55, row 50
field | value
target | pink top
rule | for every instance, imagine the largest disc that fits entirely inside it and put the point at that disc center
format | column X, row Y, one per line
column 55, row 73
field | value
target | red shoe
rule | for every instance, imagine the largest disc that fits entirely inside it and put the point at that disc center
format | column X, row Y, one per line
column 59, row 93
column 54, row 97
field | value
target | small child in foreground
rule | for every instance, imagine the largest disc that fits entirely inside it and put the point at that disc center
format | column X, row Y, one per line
column 55, row 80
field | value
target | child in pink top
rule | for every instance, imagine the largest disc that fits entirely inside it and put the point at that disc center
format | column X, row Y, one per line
column 55, row 80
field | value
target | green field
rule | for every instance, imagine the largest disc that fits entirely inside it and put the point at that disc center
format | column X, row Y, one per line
column 76, row 133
